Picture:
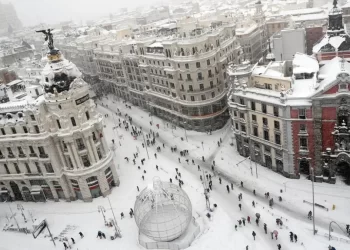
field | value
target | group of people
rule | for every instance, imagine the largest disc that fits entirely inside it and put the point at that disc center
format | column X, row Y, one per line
column 66, row 244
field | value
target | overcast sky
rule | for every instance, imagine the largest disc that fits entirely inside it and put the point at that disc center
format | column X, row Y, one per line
column 32, row 12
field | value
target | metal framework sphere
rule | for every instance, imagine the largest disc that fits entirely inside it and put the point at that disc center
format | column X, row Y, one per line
column 162, row 211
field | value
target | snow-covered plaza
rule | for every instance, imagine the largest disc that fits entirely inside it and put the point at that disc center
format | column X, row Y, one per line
column 67, row 219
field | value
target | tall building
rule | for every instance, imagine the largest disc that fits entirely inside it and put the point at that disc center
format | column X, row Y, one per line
column 52, row 144
column 8, row 18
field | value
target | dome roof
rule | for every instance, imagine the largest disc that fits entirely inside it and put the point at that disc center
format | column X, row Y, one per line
column 162, row 211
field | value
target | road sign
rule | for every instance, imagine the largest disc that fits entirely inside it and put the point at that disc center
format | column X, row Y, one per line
column 39, row 229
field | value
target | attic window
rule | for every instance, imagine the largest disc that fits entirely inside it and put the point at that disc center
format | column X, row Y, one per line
column 20, row 115
column 343, row 87
column 9, row 116
column 46, row 79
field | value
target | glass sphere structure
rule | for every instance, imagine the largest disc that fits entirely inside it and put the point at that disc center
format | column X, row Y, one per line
column 162, row 211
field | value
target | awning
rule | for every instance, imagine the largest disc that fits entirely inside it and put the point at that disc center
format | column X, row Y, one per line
column 4, row 191
column 34, row 193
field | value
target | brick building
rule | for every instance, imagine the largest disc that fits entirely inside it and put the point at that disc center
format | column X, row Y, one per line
column 313, row 35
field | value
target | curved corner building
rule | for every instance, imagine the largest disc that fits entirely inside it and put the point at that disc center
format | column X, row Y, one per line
column 52, row 146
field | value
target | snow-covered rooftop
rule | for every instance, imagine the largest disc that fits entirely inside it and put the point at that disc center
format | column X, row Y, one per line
column 304, row 64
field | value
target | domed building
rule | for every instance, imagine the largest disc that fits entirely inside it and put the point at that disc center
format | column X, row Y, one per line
column 52, row 143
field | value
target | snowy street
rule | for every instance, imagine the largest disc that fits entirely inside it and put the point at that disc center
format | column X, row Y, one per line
column 215, row 233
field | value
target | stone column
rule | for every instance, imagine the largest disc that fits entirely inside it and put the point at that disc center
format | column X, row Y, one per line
column 76, row 155
column 88, row 145
column 102, row 182
column 71, row 155
column 53, row 190
column 60, row 153
column 69, row 193
column 93, row 146
column 84, row 189
column 103, row 143
column 115, row 174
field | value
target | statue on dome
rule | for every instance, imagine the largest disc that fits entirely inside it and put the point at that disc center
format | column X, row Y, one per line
column 335, row 2
column 48, row 37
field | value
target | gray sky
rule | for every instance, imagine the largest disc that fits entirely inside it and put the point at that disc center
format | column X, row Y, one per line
column 32, row 12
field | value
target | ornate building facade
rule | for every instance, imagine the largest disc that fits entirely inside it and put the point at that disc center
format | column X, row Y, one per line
column 53, row 145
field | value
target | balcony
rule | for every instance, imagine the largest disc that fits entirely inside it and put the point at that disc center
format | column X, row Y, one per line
column 200, row 79
column 189, row 80
column 44, row 156
column 11, row 156
column 33, row 155
column 22, row 156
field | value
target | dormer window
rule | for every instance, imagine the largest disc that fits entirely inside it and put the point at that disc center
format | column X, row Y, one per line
column 9, row 116
column 343, row 87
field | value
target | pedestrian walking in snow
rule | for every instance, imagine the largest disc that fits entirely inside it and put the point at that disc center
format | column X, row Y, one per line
column 220, row 180
column 187, row 161
column 257, row 221
column 179, row 160
column 265, row 228
column 126, row 158
column 247, row 248
column 254, row 234
column 99, row 234
column 171, row 180
column 271, row 235
column 241, row 183
column 138, row 189
column 248, row 219
column 240, row 206
column 143, row 178
column 65, row 245
column 213, row 163
column 231, row 185
column 309, row 215
column 228, row 189
column 121, row 215
column 103, row 235
column 133, row 160
column 239, row 197
column 157, row 167
column 295, row 238
column 155, row 155
column 243, row 220
column 73, row 241
column 199, row 168
column 81, row 235
column 240, row 222
column 200, row 177
column 279, row 246
column 203, row 159
column 291, row 236
column 347, row 228
column 253, row 203
column 254, row 191
column 236, row 227
column 131, row 210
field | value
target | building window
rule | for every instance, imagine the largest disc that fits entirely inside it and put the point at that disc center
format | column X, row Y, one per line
column 3, row 131
column 302, row 114
column 236, row 126
column 187, row 66
column 235, row 113
column 190, row 88
column 275, row 111
column 7, row 169
column 303, row 143
column 192, row 98
column 20, row 151
column 255, row 131
column 38, row 167
column 263, row 108
column 86, row 161
column 241, row 115
column 48, row 167
column 189, row 77
column 99, row 153
column 80, row 144
column 212, row 94
column 243, row 128
column 203, row 97
column 87, row 115
column 266, row 135
column 277, row 125
column 13, row 130
column 32, row 117
column 265, row 121
column 36, row 128
column 302, row 128
column 198, row 64
column 268, row 86
column 253, row 105
column 27, row 168
column 9, row 150
column 200, row 77
column 184, row 97
column 31, row 149
column 25, row 130
column 254, row 118
column 211, row 84
column 208, row 62
column 278, row 139
column 201, row 86
column 73, row 121
column 41, row 150
column 58, row 124
column 18, row 171
column 241, row 101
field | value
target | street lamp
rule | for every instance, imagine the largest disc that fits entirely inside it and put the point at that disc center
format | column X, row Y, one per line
column 256, row 166
column 144, row 141
column 117, row 230
column 313, row 198
column 20, row 207
column 102, row 210
column 185, row 130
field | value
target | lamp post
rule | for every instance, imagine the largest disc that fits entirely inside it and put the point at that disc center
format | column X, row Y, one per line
column 20, row 207
column 117, row 230
column 256, row 166
column 313, row 198
column 185, row 130
column 102, row 210
column 144, row 141
column 206, row 193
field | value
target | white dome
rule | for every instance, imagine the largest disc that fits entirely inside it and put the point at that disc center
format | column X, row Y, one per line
column 162, row 211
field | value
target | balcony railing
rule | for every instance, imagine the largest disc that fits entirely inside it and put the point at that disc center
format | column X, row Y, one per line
column 44, row 156
column 11, row 156
column 33, row 155
column 22, row 155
